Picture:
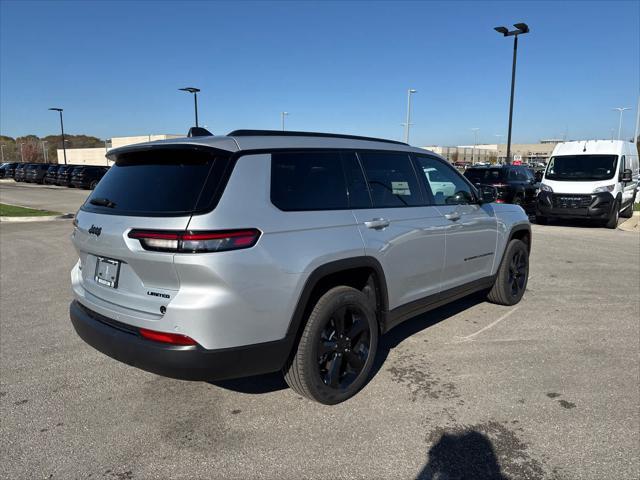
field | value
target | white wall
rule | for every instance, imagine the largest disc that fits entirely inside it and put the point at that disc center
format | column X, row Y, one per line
column 84, row 156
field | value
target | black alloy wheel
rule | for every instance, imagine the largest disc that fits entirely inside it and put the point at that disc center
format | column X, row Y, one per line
column 343, row 347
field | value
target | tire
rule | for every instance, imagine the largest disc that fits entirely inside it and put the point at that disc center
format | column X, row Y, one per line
column 513, row 274
column 331, row 371
column 92, row 185
column 628, row 212
column 540, row 220
column 615, row 215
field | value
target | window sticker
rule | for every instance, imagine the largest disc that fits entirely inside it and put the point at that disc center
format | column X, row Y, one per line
column 400, row 188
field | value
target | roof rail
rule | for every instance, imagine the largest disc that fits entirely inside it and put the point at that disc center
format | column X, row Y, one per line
column 288, row 133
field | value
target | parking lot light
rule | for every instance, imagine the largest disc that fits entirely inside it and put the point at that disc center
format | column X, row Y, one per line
column 521, row 28
column 407, row 125
column 64, row 148
column 195, row 91
column 620, row 110
column 282, row 115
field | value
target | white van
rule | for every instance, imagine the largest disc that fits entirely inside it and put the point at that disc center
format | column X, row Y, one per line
column 594, row 179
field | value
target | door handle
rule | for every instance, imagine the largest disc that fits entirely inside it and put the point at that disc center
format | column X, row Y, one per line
column 377, row 223
column 453, row 216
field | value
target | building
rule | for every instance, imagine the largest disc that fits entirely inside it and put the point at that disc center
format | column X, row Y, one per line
column 97, row 156
column 497, row 153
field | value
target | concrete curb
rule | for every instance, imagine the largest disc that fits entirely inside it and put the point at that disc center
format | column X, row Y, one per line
column 632, row 224
column 36, row 218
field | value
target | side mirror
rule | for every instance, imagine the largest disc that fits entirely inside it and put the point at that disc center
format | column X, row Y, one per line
column 487, row 194
column 627, row 175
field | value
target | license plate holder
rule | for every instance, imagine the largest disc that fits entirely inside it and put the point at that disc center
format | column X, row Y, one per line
column 107, row 272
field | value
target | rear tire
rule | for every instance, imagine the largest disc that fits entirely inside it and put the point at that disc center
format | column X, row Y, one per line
column 92, row 185
column 336, row 351
column 615, row 215
column 513, row 274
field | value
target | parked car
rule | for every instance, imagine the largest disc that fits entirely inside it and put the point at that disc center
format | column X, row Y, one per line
column 227, row 256
column 35, row 172
column 20, row 172
column 87, row 177
column 7, row 169
column 51, row 176
column 514, row 183
column 595, row 179
column 63, row 177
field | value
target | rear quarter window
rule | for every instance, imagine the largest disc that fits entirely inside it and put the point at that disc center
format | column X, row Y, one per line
column 308, row 181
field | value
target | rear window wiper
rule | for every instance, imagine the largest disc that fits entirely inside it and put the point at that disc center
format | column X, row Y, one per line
column 102, row 202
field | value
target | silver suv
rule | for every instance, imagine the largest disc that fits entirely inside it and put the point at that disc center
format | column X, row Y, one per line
column 214, row 257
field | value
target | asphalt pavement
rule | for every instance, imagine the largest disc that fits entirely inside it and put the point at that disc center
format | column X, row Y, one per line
column 547, row 389
column 43, row 197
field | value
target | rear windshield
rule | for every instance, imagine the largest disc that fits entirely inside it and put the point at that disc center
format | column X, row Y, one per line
column 581, row 167
column 160, row 182
column 485, row 175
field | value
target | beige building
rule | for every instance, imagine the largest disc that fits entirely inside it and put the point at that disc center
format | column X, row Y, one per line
column 497, row 153
column 97, row 156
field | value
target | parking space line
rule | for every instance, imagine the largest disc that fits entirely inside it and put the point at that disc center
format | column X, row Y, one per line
column 469, row 338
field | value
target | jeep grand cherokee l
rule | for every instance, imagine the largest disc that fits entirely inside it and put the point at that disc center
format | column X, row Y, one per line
column 223, row 256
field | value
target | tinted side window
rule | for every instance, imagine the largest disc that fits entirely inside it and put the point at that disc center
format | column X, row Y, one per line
column 391, row 179
column 308, row 181
column 447, row 186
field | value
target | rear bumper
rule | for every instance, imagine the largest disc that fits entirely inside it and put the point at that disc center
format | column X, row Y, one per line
column 597, row 206
column 79, row 183
column 123, row 343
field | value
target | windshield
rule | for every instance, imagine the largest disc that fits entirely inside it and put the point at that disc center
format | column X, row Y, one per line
column 484, row 175
column 581, row 167
column 170, row 181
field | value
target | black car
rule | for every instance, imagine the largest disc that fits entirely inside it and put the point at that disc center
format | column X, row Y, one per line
column 63, row 177
column 35, row 172
column 51, row 176
column 514, row 183
column 20, row 172
column 7, row 169
column 87, row 177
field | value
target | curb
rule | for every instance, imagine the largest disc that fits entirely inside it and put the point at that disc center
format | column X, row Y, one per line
column 631, row 224
column 36, row 218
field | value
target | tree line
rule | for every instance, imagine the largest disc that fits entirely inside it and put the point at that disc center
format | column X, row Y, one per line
column 33, row 149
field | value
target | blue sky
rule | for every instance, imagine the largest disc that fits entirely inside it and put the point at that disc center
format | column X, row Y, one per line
column 115, row 67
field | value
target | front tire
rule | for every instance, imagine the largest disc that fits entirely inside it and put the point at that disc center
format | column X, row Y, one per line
column 615, row 215
column 336, row 351
column 513, row 274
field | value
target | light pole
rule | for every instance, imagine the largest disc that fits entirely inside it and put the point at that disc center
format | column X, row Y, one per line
column 64, row 148
column 2, row 150
column 22, row 152
column 475, row 143
column 408, row 124
column 521, row 28
column 195, row 91
column 44, row 151
column 621, row 109
column 282, row 115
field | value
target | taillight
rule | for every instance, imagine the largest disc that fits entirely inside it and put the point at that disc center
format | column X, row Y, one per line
column 163, row 337
column 499, row 200
column 196, row 242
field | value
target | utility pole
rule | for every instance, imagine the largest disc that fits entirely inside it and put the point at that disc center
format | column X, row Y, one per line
column 408, row 124
column 282, row 115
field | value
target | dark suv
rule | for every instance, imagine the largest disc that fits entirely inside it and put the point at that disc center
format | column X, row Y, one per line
column 87, row 177
column 35, row 172
column 63, row 177
column 514, row 183
column 20, row 172
column 7, row 170
column 51, row 176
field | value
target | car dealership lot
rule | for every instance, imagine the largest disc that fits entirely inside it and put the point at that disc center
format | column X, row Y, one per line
column 545, row 389
column 48, row 197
